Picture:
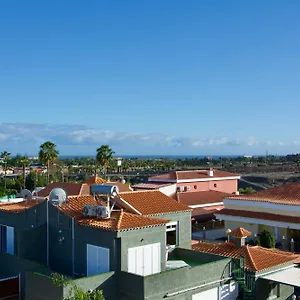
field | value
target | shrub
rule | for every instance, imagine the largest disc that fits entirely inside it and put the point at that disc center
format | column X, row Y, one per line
column 267, row 239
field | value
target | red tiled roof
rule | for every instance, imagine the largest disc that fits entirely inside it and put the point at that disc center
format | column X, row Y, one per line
column 256, row 258
column 19, row 206
column 152, row 202
column 199, row 198
column 72, row 189
column 150, row 185
column 286, row 195
column 240, row 233
column 95, row 179
column 259, row 215
column 197, row 174
column 209, row 210
column 120, row 220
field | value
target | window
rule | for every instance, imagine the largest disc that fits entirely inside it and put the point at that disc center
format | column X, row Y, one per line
column 172, row 233
column 195, row 187
column 7, row 239
column 215, row 185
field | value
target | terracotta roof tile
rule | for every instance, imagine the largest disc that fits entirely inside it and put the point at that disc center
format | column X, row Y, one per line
column 285, row 195
column 182, row 175
column 72, row 189
column 256, row 258
column 150, row 185
column 209, row 210
column 19, row 207
column 152, row 202
column 95, row 179
column 259, row 215
column 240, row 233
column 120, row 220
column 198, row 198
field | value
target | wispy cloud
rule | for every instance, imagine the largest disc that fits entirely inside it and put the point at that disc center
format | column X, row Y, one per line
column 68, row 135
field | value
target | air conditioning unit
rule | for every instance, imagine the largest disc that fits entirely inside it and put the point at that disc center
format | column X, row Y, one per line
column 187, row 188
column 89, row 210
column 102, row 211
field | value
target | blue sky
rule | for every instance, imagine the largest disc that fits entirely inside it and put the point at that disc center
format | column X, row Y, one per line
column 150, row 77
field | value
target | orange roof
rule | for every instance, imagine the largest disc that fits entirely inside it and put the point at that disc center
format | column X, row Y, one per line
column 188, row 175
column 285, row 195
column 256, row 258
column 95, row 180
column 240, row 233
column 19, row 206
column 204, row 197
column 120, row 220
column 151, row 202
column 259, row 215
column 72, row 189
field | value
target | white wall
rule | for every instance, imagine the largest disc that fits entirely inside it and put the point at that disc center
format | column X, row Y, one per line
column 224, row 292
column 168, row 190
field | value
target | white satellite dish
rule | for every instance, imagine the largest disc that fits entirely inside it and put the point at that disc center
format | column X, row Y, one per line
column 26, row 194
column 58, row 196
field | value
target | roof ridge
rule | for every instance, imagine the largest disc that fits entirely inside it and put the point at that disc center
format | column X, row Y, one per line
column 251, row 260
column 120, row 219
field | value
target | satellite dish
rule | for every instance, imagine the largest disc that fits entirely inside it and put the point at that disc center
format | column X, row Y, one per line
column 123, row 181
column 58, row 196
column 26, row 194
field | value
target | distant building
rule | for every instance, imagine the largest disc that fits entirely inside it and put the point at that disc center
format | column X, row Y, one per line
column 202, row 190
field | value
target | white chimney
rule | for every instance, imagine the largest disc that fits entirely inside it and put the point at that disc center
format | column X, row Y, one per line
column 210, row 172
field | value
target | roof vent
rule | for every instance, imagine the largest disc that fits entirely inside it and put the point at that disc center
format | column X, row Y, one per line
column 210, row 172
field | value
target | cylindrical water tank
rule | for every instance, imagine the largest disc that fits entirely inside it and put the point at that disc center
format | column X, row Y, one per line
column 105, row 189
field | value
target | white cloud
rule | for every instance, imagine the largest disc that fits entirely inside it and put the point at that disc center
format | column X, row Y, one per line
column 68, row 135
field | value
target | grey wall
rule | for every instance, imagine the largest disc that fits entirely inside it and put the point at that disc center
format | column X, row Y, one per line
column 95, row 236
column 156, row 286
column 32, row 244
column 39, row 287
column 262, row 290
column 13, row 266
column 184, row 221
column 141, row 237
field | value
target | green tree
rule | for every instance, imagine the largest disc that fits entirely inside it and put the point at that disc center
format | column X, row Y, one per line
column 267, row 239
column 47, row 155
column 4, row 156
column 24, row 163
column 104, row 156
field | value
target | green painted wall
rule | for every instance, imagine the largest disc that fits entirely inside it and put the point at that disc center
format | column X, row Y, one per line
column 103, row 238
column 141, row 237
column 155, row 287
column 13, row 266
column 184, row 219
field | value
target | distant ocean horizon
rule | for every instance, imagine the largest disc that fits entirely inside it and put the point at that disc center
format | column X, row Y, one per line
column 159, row 156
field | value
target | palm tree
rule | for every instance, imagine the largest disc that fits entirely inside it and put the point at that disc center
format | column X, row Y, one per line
column 47, row 155
column 4, row 156
column 24, row 162
column 104, row 157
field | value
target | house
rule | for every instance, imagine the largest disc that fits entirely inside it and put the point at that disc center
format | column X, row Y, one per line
column 72, row 189
column 131, row 245
column 202, row 190
column 276, row 210
column 262, row 273
column 122, row 186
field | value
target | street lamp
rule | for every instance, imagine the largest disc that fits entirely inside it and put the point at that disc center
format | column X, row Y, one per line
column 228, row 231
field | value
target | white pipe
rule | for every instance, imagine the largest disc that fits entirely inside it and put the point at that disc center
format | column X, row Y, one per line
column 47, row 232
column 197, row 287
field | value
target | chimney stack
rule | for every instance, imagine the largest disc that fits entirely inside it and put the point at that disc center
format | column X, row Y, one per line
column 240, row 234
column 210, row 172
